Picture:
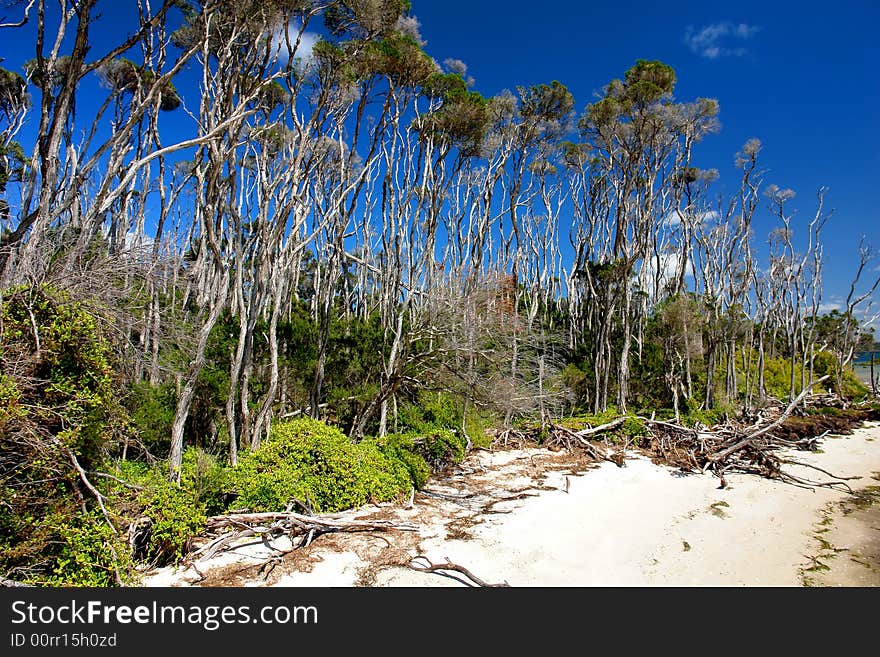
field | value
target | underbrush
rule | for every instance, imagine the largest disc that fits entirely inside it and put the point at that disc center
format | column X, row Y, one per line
column 310, row 463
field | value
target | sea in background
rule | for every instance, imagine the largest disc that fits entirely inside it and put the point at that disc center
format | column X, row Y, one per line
column 862, row 367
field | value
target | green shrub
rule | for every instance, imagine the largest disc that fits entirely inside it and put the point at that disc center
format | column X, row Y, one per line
column 307, row 460
column 86, row 552
column 584, row 420
column 476, row 426
column 63, row 376
column 443, row 447
column 434, row 412
column 431, row 410
column 709, row 418
column 633, row 427
column 852, row 387
column 206, row 477
column 177, row 515
column 57, row 399
column 152, row 413
column 404, row 448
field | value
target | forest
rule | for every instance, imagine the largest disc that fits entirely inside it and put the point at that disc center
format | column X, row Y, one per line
column 244, row 267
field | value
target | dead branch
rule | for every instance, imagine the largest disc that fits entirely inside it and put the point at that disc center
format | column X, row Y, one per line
column 11, row 583
column 807, row 465
column 88, row 484
column 724, row 453
column 583, row 433
column 441, row 568
column 234, row 527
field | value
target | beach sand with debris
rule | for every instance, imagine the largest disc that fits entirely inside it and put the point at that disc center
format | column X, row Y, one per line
column 532, row 517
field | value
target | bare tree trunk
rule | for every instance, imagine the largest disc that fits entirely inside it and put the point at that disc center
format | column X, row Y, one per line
column 185, row 399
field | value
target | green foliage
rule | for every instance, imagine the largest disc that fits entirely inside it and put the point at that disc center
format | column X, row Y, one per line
column 432, row 410
column 151, row 409
column 648, row 81
column 399, row 57
column 585, row 420
column 546, row 102
column 445, row 86
column 177, row 512
column 56, row 75
column 206, row 477
column 58, row 398
column 709, row 418
column 355, row 362
column 633, row 427
column 10, row 401
column 177, row 515
column 439, row 412
column 443, row 447
column 124, row 76
column 13, row 92
column 363, row 18
column 777, row 377
column 63, row 368
column 851, row 386
column 461, row 121
column 12, row 164
column 406, row 448
column 86, row 552
column 307, row 460
column 826, row 362
column 477, row 425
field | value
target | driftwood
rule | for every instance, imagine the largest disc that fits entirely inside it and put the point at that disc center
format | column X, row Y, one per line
column 729, row 447
column 583, row 433
column 724, row 453
column 445, row 569
column 228, row 529
column 13, row 584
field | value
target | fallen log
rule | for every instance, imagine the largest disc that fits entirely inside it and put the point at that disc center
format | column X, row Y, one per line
column 583, row 433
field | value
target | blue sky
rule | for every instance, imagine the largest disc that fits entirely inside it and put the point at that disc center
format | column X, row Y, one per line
column 800, row 76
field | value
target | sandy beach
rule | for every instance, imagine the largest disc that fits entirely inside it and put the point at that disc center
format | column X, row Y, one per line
column 538, row 518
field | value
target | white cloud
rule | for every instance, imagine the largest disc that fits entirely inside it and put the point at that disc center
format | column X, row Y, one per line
column 673, row 218
column 719, row 39
column 303, row 51
column 829, row 306
column 707, row 217
column 667, row 266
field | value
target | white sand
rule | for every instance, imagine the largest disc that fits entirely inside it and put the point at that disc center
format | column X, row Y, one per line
column 641, row 525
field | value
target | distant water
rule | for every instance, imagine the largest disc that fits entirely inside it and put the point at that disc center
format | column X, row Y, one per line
column 863, row 369
column 863, row 372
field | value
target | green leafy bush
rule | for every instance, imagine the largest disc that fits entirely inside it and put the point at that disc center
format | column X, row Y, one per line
column 584, row 420
column 151, row 409
column 318, row 465
column 58, row 376
column 633, row 427
column 443, row 447
column 177, row 515
column 206, row 477
column 86, row 552
column 406, row 449
column 57, row 402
